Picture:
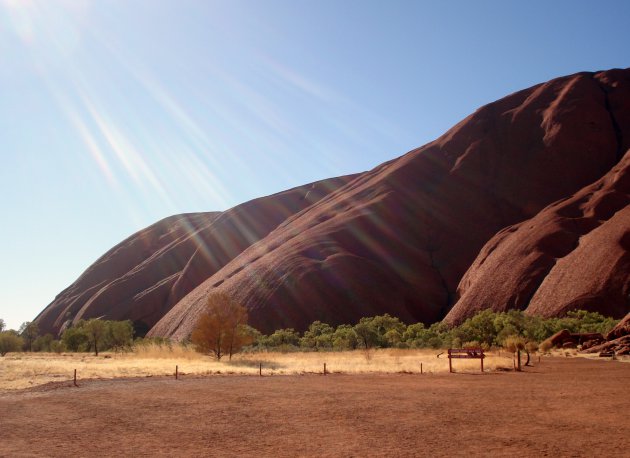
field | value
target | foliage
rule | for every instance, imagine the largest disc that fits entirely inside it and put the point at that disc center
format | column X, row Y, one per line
column 29, row 332
column 97, row 335
column 486, row 329
column 220, row 328
column 318, row 336
column 75, row 338
column 42, row 343
column 10, row 342
column 96, row 330
column 120, row 334
column 2, row 325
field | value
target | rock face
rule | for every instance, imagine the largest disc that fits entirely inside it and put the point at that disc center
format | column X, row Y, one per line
column 402, row 237
column 141, row 278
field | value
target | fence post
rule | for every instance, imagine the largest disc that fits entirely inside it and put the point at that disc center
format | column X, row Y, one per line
column 176, row 372
column 324, row 368
column 75, row 378
column 420, row 368
column 260, row 369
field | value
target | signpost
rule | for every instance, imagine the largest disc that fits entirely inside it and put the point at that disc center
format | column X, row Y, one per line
column 466, row 353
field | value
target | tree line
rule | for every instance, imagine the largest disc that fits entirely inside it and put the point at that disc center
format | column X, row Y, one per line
column 86, row 335
column 222, row 330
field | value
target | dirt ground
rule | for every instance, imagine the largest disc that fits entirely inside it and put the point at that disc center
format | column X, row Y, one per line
column 560, row 407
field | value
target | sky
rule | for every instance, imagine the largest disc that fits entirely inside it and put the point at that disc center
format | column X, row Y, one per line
column 115, row 114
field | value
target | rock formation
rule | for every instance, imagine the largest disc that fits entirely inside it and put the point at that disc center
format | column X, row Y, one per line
column 537, row 177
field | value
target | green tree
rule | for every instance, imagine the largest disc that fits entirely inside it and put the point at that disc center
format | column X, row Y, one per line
column 75, row 338
column 96, row 330
column 29, row 331
column 283, row 338
column 10, row 342
column 319, row 335
column 42, row 343
column 2, row 325
column 344, row 338
column 120, row 334
column 366, row 333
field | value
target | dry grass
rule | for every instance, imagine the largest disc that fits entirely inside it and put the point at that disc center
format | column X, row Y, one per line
column 21, row 370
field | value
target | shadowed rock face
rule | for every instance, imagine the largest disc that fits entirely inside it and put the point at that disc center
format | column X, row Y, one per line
column 399, row 238
column 575, row 254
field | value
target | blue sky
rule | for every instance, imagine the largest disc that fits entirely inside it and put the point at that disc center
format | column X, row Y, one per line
column 115, row 114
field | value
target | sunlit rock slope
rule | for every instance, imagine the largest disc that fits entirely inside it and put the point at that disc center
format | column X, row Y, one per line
column 409, row 236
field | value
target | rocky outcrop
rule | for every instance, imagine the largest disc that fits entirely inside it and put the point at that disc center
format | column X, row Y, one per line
column 141, row 278
column 398, row 239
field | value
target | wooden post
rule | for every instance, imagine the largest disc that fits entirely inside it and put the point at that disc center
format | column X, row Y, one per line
column 420, row 368
column 260, row 369
column 539, row 358
column 176, row 371
column 482, row 356
column 450, row 364
column 75, row 378
column 324, row 368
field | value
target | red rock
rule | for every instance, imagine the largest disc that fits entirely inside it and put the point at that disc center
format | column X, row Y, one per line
column 575, row 254
column 622, row 329
column 144, row 276
column 399, row 238
column 558, row 339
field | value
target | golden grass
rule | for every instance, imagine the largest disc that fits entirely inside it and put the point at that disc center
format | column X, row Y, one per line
column 23, row 370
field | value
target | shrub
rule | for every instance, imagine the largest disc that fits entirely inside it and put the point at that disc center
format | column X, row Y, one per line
column 75, row 339
column 10, row 342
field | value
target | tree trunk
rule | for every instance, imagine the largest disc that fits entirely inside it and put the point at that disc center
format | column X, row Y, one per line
column 95, row 347
column 527, row 362
column 518, row 360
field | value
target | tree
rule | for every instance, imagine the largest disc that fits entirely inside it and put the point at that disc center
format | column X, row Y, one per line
column 95, row 330
column 75, row 338
column 120, row 334
column 282, row 338
column 220, row 328
column 515, row 344
column 2, row 325
column 29, row 331
column 42, row 343
column 9, row 341
column 319, row 335
column 344, row 338
column 366, row 333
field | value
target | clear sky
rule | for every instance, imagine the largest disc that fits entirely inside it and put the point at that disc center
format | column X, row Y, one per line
column 115, row 114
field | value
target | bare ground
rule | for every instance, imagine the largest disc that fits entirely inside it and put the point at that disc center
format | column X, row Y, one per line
column 560, row 407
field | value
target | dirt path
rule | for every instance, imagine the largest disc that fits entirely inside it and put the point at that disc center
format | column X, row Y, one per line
column 561, row 407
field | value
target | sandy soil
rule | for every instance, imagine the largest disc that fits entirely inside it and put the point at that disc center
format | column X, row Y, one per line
column 560, row 407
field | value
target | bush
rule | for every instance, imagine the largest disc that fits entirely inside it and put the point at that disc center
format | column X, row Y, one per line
column 10, row 342
column 75, row 339
column 42, row 343
column 57, row 346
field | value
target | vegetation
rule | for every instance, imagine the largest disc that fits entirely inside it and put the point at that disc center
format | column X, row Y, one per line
column 486, row 329
column 96, row 335
column 10, row 342
column 222, row 330
column 221, row 327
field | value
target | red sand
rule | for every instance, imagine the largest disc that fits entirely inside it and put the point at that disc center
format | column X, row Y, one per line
column 561, row 407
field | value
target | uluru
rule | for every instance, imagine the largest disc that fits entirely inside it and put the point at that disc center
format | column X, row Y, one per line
column 523, row 204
